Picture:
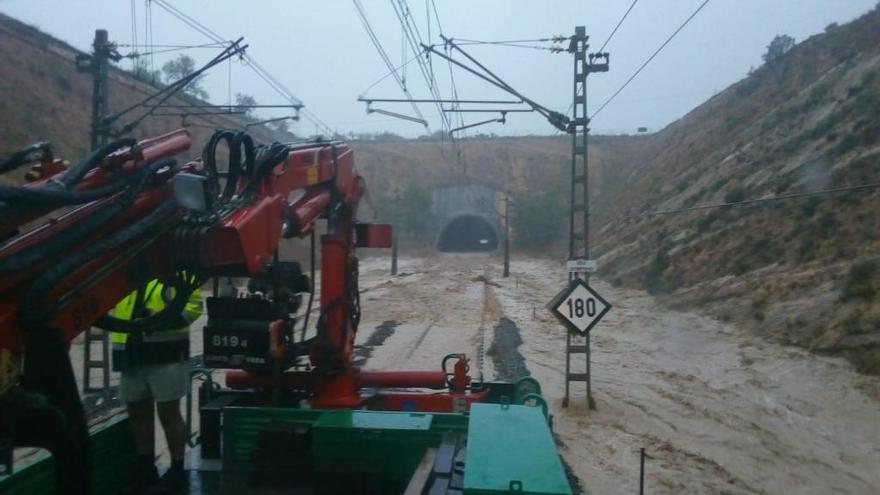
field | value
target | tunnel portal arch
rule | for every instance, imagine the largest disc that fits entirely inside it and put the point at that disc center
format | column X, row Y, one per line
column 467, row 233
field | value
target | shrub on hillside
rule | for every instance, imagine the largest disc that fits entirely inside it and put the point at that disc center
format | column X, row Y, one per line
column 535, row 219
column 409, row 211
column 859, row 283
column 63, row 83
column 735, row 194
column 141, row 71
column 849, row 142
column 718, row 184
column 781, row 44
column 809, row 205
column 654, row 280
column 807, row 250
column 783, row 184
column 823, row 128
column 181, row 67
column 246, row 104
column 707, row 220
column 825, row 224
column 742, row 265
column 864, row 169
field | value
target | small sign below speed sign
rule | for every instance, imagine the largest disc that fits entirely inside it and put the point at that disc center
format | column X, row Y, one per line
column 579, row 307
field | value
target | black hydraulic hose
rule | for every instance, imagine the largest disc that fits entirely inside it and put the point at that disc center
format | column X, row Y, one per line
column 267, row 158
column 48, row 371
column 58, row 193
column 47, row 367
column 32, row 311
column 326, row 346
column 31, row 418
column 78, row 171
column 169, row 317
column 23, row 156
column 64, row 239
column 47, row 196
column 351, row 299
column 354, row 294
column 246, row 160
column 233, row 171
column 243, row 139
column 312, row 282
column 210, row 161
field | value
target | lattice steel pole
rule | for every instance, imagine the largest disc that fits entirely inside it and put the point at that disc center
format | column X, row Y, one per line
column 579, row 214
column 97, row 64
column 506, row 271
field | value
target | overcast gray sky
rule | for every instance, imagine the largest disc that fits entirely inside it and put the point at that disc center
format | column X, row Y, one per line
column 320, row 51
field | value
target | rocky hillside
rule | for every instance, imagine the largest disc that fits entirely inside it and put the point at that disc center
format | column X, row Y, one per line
column 804, row 270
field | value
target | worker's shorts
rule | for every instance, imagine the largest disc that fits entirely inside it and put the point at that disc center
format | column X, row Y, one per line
column 159, row 382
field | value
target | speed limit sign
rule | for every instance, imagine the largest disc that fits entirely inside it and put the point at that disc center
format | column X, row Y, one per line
column 579, row 307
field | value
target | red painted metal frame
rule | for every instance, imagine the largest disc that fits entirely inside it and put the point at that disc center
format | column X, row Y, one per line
column 243, row 243
column 446, row 401
column 426, row 402
column 373, row 236
column 96, row 296
column 238, row 379
column 120, row 163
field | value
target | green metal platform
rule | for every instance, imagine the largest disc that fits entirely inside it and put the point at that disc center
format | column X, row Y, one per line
column 510, row 449
column 113, row 457
column 333, row 429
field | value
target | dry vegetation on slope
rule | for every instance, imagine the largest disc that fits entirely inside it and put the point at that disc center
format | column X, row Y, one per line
column 804, row 271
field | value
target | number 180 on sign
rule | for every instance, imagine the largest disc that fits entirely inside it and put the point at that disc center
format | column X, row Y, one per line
column 579, row 307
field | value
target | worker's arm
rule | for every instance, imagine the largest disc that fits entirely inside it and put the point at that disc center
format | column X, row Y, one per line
column 193, row 308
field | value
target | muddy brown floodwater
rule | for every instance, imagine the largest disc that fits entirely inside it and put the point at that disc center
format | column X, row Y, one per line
column 717, row 409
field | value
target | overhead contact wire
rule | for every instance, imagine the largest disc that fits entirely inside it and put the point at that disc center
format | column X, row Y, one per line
column 648, row 61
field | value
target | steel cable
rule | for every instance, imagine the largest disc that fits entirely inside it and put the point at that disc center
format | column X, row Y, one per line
column 645, row 64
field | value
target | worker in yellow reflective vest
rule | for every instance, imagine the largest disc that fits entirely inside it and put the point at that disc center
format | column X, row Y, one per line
column 155, row 368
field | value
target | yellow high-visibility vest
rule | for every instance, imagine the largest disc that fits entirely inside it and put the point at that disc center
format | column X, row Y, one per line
column 156, row 347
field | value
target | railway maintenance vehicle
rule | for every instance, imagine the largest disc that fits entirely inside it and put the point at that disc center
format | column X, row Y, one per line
column 293, row 414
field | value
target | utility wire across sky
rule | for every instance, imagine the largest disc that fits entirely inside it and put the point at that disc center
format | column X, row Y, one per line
column 648, row 61
column 859, row 187
column 258, row 69
column 602, row 49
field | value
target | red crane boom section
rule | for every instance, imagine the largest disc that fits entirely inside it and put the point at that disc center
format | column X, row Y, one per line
column 243, row 242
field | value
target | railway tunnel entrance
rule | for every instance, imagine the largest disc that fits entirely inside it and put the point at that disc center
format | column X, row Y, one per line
column 467, row 233
column 466, row 218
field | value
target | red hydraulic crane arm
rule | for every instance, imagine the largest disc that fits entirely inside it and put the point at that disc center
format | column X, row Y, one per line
column 243, row 242
column 250, row 235
column 54, row 240
column 275, row 192
column 117, row 164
